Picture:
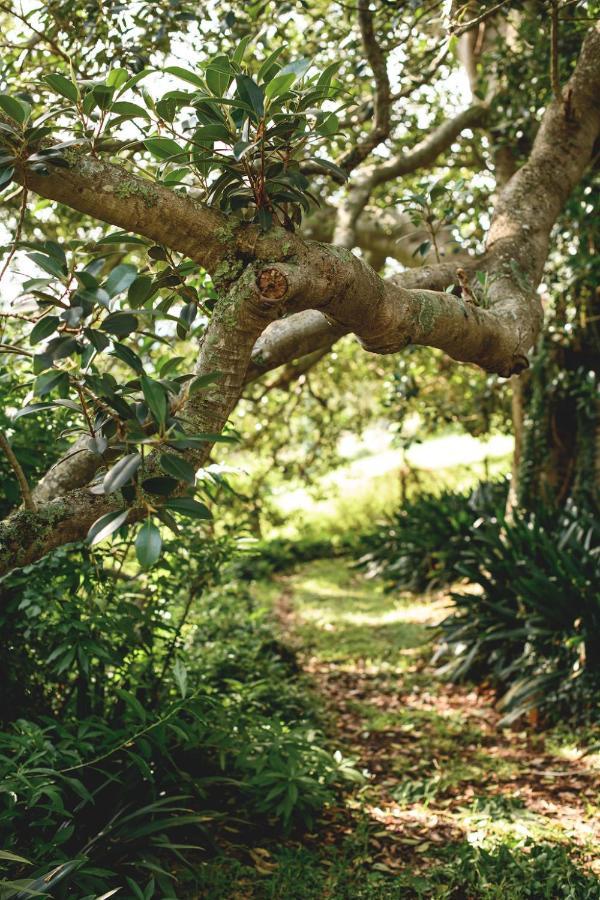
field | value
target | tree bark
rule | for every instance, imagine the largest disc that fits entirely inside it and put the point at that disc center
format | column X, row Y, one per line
column 263, row 276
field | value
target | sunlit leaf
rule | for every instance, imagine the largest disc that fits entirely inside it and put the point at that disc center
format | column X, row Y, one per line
column 106, row 525
column 122, row 472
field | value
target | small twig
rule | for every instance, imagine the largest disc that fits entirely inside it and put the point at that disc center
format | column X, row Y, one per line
column 39, row 34
column 465, row 287
column 457, row 30
column 382, row 100
column 15, row 243
column 18, row 231
column 18, row 470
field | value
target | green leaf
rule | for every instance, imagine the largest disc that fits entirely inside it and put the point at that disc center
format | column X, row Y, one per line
column 122, row 472
column 210, row 133
column 203, row 381
column 250, row 92
column 156, row 397
column 241, row 48
column 129, row 357
column 34, row 408
column 279, row 85
column 218, row 75
column 163, row 147
column 4, row 854
column 268, row 64
column 6, row 176
column 147, row 544
column 170, row 365
column 63, row 86
column 187, row 506
column 163, row 485
column 327, row 164
column 196, row 440
column 43, row 329
column 265, row 219
column 129, row 110
column 186, row 317
column 120, row 323
column 116, row 78
column 180, row 676
column 102, row 95
column 48, row 264
column 178, row 467
column 140, row 290
column 329, row 126
column 48, row 381
column 16, row 109
column 298, row 68
column 185, row 75
column 105, row 526
column 241, row 148
column 119, row 279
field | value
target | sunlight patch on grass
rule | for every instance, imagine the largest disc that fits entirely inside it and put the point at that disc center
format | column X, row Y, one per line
column 342, row 616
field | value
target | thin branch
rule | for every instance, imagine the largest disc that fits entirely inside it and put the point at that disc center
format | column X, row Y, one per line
column 18, row 470
column 40, row 34
column 381, row 116
column 457, row 30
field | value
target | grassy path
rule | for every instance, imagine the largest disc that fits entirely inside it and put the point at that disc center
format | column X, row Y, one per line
column 453, row 805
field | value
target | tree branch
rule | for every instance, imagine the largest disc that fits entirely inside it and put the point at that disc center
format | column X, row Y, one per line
column 422, row 155
column 18, row 470
column 382, row 106
column 296, row 275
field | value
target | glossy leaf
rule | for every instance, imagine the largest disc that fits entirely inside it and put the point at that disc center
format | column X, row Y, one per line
column 63, row 86
column 187, row 506
column 122, row 472
column 106, row 525
column 156, row 397
column 178, row 467
column 148, row 544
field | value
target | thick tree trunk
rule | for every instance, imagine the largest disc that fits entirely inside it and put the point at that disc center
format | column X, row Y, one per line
column 558, row 455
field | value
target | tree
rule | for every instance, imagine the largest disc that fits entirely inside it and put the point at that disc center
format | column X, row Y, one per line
column 208, row 186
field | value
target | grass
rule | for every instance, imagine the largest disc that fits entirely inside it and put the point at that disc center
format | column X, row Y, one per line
column 344, row 618
column 342, row 504
column 452, row 806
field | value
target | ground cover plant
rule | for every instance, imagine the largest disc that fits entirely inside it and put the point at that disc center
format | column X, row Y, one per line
column 133, row 729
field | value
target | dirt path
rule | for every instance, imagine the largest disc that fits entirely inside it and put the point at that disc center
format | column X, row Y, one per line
column 440, row 770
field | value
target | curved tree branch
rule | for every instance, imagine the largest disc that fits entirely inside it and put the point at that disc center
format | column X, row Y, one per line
column 382, row 105
column 424, row 154
column 283, row 274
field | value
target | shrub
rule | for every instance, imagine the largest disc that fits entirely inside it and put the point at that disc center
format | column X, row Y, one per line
column 420, row 545
column 142, row 711
column 532, row 624
column 282, row 554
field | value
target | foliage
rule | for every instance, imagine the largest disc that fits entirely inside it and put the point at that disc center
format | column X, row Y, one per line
column 139, row 713
column 429, row 393
column 540, row 871
column 280, row 555
column 420, row 545
column 531, row 621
